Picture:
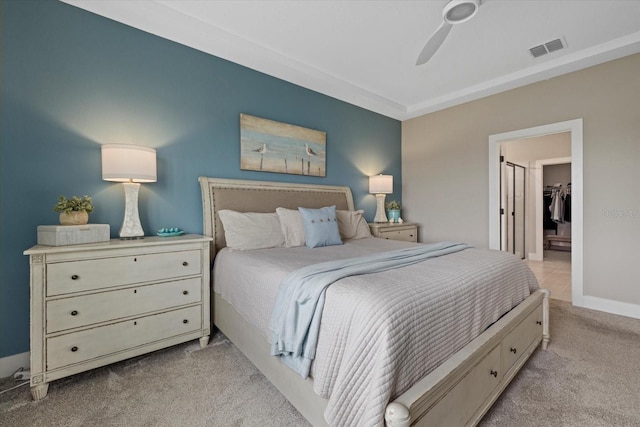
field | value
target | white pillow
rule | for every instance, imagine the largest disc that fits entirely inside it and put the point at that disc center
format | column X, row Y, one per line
column 251, row 230
column 352, row 225
column 363, row 230
column 291, row 226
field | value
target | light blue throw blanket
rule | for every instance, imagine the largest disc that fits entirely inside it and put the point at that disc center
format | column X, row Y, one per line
column 295, row 319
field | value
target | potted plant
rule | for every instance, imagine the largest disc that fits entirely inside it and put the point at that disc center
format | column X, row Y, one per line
column 74, row 211
column 393, row 210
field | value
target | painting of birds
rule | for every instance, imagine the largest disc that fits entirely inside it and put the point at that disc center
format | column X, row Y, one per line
column 270, row 146
column 261, row 150
column 310, row 152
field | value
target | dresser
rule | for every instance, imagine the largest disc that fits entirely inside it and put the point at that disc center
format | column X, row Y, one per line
column 99, row 303
column 407, row 231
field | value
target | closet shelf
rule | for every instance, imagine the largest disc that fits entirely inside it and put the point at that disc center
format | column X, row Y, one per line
column 551, row 238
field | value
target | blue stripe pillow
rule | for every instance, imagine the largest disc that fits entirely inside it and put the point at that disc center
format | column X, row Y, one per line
column 320, row 227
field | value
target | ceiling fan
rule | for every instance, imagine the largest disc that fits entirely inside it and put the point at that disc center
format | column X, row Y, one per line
column 454, row 12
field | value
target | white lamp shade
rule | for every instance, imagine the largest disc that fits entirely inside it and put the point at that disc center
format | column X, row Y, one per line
column 128, row 163
column 381, row 184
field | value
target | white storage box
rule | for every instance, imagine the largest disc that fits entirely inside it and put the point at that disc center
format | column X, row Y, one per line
column 62, row 235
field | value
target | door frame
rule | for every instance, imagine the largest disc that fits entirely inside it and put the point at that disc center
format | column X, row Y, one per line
column 575, row 127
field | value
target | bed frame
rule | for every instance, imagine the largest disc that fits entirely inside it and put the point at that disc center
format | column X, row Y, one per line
column 458, row 392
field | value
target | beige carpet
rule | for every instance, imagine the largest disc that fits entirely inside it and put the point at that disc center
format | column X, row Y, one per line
column 589, row 376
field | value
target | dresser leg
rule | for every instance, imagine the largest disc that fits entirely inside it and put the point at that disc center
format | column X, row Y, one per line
column 204, row 341
column 39, row 391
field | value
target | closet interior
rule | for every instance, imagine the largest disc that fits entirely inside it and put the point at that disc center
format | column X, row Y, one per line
column 557, row 210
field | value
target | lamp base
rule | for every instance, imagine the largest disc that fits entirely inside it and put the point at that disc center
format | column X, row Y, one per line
column 131, row 227
column 380, row 215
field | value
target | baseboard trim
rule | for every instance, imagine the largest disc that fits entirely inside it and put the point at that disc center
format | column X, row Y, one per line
column 611, row 306
column 535, row 256
column 10, row 364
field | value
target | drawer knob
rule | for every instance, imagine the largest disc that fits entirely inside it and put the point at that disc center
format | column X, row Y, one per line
column 74, row 349
column 185, row 263
column 185, row 292
column 538, row 322
column 75, row 277
column 74, row 313
column 185, row 321
column 513, row 350
column 494, row 373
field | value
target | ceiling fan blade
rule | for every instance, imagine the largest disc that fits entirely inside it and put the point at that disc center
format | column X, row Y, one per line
column 434, row 43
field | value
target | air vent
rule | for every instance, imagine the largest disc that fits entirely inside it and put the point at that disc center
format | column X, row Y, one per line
column 537, row 51
column 548, row 47
column 554, row 45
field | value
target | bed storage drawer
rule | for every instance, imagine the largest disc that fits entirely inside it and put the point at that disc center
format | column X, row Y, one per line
column 85, row 275
column 473, row 388
column 520, row 338
column 101, row 341
column 84, row 310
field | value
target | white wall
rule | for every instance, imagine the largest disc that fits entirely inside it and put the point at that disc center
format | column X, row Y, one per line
column 539, row 148
column 557, row 174
column 445, row 169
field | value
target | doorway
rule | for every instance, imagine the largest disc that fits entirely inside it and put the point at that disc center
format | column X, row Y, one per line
column 574, row 127
column 554, row 271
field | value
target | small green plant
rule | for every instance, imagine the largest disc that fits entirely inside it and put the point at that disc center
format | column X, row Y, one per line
column 75, row 203
column 392, row 205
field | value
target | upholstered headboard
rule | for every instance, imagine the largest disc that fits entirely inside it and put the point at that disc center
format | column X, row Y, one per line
column 262, row 196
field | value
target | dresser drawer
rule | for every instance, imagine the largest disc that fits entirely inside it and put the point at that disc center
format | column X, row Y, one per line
column 81, row 346
column 518, row 340
column 407, row 235
column 76, row 276
column 85, row 310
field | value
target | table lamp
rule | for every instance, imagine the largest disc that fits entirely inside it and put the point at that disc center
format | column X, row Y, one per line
column 129, row 164
column 380, row 185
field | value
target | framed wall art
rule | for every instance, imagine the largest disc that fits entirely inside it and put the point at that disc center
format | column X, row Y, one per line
column 270, row 146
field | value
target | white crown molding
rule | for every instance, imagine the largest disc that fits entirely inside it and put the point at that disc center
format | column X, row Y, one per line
column 161, row 19
column 585, row 58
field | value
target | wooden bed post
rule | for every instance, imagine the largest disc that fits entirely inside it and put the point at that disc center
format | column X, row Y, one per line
column 545, row 319
column 397, row 415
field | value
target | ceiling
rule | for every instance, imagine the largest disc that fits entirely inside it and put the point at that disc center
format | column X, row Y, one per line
column 364, row 52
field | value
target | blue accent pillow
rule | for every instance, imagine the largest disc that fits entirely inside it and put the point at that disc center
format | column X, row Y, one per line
column 320, row 227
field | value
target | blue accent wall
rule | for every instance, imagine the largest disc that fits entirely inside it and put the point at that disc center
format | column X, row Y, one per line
column 72, row 80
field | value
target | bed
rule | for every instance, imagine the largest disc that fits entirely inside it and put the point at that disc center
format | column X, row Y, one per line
column 458, row 391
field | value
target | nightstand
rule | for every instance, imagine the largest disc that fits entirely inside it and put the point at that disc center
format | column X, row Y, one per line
column 99, row 303
column 407, row 231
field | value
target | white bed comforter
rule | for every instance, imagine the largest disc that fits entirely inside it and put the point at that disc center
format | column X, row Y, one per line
column 382, row 332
